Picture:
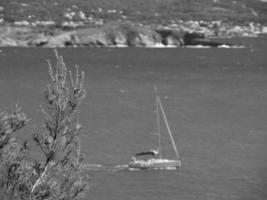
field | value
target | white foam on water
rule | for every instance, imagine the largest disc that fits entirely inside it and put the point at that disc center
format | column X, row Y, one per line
column 133, row 169
column 231, row 47
column 120, row 46
column 120, row 167
column 198, row 46
column 107, row 168
column 160, row 45
column 93, row 167
column 153, row 169
column 157, row 45
column 123, row 167
column 223, row 46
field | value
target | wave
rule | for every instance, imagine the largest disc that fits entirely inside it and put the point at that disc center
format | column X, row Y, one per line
column 117, row 168
column 160, row 45
column 223, row 46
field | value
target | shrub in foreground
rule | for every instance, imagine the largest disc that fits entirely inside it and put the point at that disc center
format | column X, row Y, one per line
column 58, row 176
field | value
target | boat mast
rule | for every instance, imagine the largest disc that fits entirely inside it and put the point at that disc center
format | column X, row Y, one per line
column 168, row 127
column 158, row 128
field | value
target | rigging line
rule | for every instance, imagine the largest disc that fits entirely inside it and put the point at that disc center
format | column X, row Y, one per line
column 158, row 122
column 168, row 128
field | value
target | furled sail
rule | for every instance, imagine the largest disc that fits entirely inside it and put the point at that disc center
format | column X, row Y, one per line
column 145, row 153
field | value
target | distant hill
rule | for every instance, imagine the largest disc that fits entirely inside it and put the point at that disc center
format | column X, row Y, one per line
column 143, row 11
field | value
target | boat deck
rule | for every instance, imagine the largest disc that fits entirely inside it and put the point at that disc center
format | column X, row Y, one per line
column 155, row 164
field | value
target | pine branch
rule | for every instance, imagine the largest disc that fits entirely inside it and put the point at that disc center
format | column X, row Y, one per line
column 59, row 140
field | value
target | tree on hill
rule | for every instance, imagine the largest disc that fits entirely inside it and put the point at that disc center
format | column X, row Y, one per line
column 58, row 176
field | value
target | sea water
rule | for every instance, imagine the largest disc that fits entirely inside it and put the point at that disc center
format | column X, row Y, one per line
column 215, row 101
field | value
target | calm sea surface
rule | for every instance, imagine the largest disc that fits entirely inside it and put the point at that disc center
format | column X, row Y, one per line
column 215, row 101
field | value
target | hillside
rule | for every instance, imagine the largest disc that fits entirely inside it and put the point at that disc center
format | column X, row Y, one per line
column 146, row 12
column 149, row 23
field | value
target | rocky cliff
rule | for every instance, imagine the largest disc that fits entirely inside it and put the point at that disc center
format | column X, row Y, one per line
column 120, row 34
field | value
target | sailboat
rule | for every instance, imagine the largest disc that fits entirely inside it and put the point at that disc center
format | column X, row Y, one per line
column 153, row 159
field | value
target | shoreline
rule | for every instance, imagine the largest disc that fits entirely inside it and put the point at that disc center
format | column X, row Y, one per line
column 123, row 34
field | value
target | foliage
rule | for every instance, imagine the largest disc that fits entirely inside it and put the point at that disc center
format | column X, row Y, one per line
column 12, row 156
column 10, row 123
column 59, row 175
column 137, row 10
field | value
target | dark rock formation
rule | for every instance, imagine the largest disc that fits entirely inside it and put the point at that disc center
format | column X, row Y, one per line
column 171, row 37
column 38, row 40
column 199, row 39
column 129, row 34
column 193, row 38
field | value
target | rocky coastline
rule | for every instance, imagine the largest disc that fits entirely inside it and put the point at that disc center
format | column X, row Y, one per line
column 124, row 34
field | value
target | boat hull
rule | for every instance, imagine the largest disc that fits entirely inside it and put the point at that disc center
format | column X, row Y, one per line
column 155, row 164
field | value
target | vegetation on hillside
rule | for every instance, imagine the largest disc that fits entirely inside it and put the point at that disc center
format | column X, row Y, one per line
column 156, row 11
column 57, row 174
